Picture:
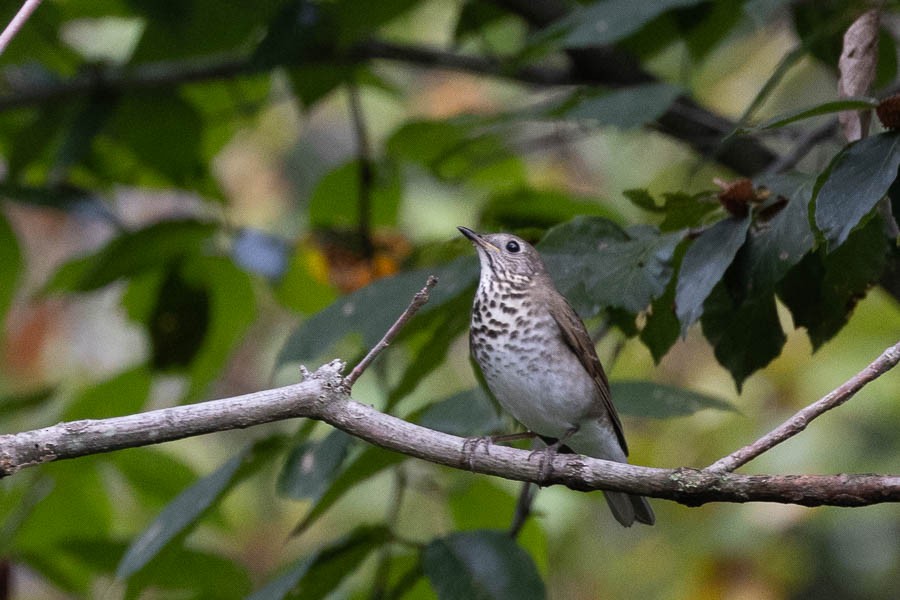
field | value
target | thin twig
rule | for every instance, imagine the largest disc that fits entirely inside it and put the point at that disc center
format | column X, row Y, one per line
column 888, row 359
column 523, row 509
column 17, row 22
column 418, row 301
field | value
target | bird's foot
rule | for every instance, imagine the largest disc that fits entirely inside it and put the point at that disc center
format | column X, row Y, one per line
column 547, row 454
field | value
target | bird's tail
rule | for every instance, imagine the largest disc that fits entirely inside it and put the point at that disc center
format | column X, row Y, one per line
column 628, row 508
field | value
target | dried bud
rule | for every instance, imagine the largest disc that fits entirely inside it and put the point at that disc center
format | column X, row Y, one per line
column 888, row 112
column 736, row 196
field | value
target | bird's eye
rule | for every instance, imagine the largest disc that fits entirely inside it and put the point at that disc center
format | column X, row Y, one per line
column 512, row 246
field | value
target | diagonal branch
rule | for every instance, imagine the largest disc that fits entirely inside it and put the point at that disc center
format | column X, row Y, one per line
column 17, row 22
column 888, row 359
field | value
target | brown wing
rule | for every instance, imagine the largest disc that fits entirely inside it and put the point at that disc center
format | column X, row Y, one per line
column 577, row 338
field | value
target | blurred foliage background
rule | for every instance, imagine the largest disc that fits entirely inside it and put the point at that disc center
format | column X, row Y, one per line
column 199, row 196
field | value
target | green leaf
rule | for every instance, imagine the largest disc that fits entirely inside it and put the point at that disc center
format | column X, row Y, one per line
column 481, row 565
column 369, row 462
column 704, row 264
column 773, row 248
column 11, row 264
column 593, row 262
column 681, row 210
column 371, row 310
column 335, row 201
column 154, row 476
column 79, row 136
column 746, row 336
column 529, row 207
column 311, row 466
column 182, row 513
column 648, row 399
column 338, row 560
column 823, row 289
column 475, row 16
column 232, row 310
column 179, row 321
column 457, row 151
column 301, row 31
column 661, row 329
column 825, row 108
column 193, row 573
column 466, row 414
column 279, row 587
column 130, row 254
column 609, row 21
column 625, row 108
column 860, row 176
column 123, row 394
column 299, row 289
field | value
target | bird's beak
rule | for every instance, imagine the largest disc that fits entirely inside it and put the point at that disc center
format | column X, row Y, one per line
column 477, row 239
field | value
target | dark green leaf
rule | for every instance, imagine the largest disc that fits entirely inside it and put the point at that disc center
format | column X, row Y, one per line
column 704, row 264
column 481, row 565
column 826, row 108
column 178, row 323
column 529, row 207
column 312, row 83
column 746, row 336
column 823, row 289
column 193, row 573
column 338, row 560
column 336, row 199
column 280, row 587
column 79, row 137
column 475, row 16
column 12, row 404
column 182, row 513
column 681, row 210
column 609, row 21
column 662, row 328
column 123, row 394
column 466, row 414
column 130, row 254
column 10, row 266
column 594, row 263
column 301, row 31
column 370, row 462
column 232, row 311
column 433, row 333
column 624, row 108
column 311, row 466
column 858, row 178
column 371, row 310
column 648, row 399
column 778, row 243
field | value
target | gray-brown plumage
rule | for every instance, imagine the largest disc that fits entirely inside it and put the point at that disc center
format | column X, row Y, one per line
column 539, row 361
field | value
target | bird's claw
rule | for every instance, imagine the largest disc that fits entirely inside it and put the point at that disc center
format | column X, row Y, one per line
column 470, row 447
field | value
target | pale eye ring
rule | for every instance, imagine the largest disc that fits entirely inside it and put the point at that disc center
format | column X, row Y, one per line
column 512, row 246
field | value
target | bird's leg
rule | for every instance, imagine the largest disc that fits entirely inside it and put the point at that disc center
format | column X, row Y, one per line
column 470, row 446
column 549, row 451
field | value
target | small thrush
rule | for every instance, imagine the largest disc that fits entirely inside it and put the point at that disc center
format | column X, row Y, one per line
column 540, row 363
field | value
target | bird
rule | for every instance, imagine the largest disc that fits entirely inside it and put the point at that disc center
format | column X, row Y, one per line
column 539, row 362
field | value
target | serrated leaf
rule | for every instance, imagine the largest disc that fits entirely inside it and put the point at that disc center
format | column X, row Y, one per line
column 648, row 399
column 858, row 178
column 823, row 289
column 466, row 414
column 594, row 263
column 746, row 336
column 610, row 21
column 370, row 311
column 183, row 512
column 369, row 462
column 131, row 253
column 624, row 108
column 481, row 565
column 704, row 264
column 312, row 465
column 779, row 243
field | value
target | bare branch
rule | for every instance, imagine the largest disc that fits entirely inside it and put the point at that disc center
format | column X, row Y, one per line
column 28, row 7
column 323, row 396
column 417, row 302
column 888, row 359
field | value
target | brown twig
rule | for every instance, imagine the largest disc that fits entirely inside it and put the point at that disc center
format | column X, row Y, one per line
column 418, row 301
column 28, row 7
column 888, row 359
